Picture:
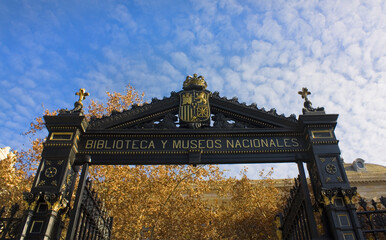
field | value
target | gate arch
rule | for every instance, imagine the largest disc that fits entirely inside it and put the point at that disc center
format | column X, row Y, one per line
column 193, row 126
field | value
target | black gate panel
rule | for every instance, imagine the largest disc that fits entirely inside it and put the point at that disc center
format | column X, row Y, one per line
column 89, row 218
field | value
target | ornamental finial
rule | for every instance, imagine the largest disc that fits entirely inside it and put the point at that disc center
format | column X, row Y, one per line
column 304, row 93
column 78, row 105
column 307, row 103
column 195, row 82
column 82, row 95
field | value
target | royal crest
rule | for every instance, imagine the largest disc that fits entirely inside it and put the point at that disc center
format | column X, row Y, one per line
column 194, row 101
column 194, row 106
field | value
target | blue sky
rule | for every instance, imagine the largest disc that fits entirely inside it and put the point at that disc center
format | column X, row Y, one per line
column 259, row 51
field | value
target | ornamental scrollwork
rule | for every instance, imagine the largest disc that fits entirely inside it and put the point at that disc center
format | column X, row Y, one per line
column 348, row 194
column 329, row 195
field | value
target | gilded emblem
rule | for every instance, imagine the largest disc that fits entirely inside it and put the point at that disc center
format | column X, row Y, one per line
column 54, row 183
column 194, row 100
column 50, row 172
column 331, row 169
column 194, row 106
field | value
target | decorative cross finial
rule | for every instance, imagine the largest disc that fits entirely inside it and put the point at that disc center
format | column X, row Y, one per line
column 307, row 103
column 82, row 94
column 78, row 105
column 304, row 93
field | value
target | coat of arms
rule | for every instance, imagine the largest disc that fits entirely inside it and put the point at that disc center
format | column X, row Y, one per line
column 194, row 101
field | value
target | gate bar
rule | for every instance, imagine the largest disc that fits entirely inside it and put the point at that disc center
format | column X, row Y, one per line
column 307, row 201
column 72, row 227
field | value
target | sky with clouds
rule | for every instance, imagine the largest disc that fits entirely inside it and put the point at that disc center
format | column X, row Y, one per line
column 261, row 51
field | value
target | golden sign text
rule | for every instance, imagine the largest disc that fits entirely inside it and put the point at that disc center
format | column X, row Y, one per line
column 178, row 144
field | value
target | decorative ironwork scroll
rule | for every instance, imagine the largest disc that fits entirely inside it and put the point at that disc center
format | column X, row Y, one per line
column 89, row 217
column 373, row 218
column 9, row 225
column 295, row 222
column 93, row 222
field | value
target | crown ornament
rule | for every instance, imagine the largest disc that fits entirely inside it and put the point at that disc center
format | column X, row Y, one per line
column 194, row 82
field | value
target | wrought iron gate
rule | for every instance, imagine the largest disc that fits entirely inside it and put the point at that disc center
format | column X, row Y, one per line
column 297, row 221
column 89, row 218
column 373, row 218
column 9, row 225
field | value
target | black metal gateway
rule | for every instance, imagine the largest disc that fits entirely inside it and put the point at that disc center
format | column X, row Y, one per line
column 193, row 126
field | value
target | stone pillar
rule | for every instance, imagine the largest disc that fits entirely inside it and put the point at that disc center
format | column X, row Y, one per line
column 54, row 182
column 328, row 177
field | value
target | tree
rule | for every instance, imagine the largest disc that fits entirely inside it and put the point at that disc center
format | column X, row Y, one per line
column 13, row 180
column 168, row 202
column 251, row 210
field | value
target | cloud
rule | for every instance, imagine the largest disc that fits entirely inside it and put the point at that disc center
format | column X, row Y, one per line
column 180, row 60
column 122, row 14
column 231, row 6
column 260, row 51
column 22, row 96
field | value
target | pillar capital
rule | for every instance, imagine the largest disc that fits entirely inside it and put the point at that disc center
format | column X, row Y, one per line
column 318, row 120
column 66, row 121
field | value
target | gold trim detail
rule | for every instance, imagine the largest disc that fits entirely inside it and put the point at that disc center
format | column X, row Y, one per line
column 329, row 196
column 314, row 133
column 348, row 195
column 57, row 144
column 58, row 134
column 33, row 224
column 50, row 172
column 184, row 152
column 325, row 142
column 331, row 169
column 320, row 125
column 60, row 203
column 30, row 201
column 75, row 128
column 338, row 198
column 348, row 234
column 196, row 135
column 347, row 218
column 40, row 204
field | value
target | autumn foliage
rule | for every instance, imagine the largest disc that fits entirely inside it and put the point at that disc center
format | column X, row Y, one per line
column 160, row 202
column 13, row 181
